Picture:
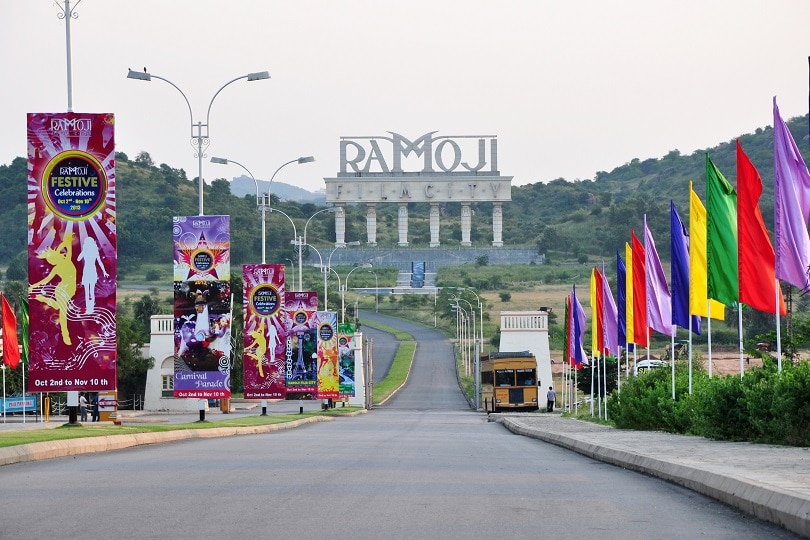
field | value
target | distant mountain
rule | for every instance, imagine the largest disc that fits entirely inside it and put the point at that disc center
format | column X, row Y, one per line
column 243, row 185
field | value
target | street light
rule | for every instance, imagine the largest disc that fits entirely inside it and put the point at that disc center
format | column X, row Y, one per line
column 376, row 292
column 262, row 203
column 301, row 241
column 480, row 346
column 292, row 265
column 343, row 290
column 199, row 137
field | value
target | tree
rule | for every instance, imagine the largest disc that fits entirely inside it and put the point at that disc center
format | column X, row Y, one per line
column 143, row 310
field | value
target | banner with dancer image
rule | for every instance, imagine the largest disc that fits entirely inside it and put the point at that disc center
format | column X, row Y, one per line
column 72, row 256
column 264, row 336
column 346, row 359
column 301, row 342
column 202, row 307
column 328, row 379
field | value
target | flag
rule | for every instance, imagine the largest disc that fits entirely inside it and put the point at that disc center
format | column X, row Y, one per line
column 579, row 330
column 11, row 347
column 24, row 329
column 791, row 187
column 698, row 293
column 679, row 245
column 755, row 252
column 597, row 313
column 640, row 331
column 567, row 329
column 659, row 299
column 610, row 333
column 621, row 300
column 628, row 290
column 721, row 237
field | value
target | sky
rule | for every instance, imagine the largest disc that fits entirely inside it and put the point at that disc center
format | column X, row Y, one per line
column 569, row 87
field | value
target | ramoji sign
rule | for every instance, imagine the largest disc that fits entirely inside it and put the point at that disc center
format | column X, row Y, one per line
column 430, row 168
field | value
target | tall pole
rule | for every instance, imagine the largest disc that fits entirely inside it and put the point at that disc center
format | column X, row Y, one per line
column 68, row 13
column 302, row 241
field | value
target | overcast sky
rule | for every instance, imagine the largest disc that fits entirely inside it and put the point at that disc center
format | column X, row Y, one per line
column 569, row 87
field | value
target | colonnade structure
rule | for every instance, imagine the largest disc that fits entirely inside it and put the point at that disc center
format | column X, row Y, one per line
column 433, row 169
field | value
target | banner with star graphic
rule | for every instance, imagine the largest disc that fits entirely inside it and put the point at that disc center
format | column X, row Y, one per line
column 202, row 307
column 72, row 261
column 265, row 331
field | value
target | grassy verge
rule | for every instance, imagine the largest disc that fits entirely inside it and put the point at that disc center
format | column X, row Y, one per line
column 67, row 431
column 398, row 373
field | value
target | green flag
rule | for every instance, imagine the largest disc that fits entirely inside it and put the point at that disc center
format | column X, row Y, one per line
column 721, row 237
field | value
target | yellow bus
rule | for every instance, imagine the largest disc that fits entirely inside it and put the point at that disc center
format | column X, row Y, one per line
column 509, row 381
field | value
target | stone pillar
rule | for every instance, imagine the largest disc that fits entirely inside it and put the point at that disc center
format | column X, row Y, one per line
column 465, row 224
column 340, row 225
column 497, row 224
column 434, row 225
column 402, row 224
column 371, row 224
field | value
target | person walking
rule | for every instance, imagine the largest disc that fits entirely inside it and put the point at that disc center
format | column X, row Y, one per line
column 551, row 396
column 83, row 407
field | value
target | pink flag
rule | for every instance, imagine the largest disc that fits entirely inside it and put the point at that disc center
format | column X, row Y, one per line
column 791, row 187
column 610, row 315
column 659, row 299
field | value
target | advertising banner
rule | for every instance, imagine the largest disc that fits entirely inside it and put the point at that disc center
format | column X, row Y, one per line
column 328, row 380
column 72, row 266
column 264, row 336
column 346, row 358
column 301, row 340
column 202, row 307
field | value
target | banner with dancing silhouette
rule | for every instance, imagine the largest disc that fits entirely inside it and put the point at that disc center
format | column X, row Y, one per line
column 202, row 307
column 72, row 267
column 264, row 336
column 301, row 342
column 328, row 381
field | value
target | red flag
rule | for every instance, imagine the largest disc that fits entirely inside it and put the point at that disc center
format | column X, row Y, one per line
column 641, row 334
column 756, row 260
column 11, row 347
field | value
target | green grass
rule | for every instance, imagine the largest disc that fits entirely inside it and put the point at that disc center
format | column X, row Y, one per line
column 398, row 373
column 67, row 431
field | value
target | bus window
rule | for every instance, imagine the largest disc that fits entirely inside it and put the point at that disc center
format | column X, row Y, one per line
column 504, row 377
column 526, row 377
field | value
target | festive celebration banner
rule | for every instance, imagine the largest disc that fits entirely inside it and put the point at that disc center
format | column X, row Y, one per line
column 301, row 339
column 264, row 335
column 328, row 381
column 202, row 307
column 72, row 267
column 346, row 358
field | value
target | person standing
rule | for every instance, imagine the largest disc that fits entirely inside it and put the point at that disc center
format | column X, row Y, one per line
column 94, row 402
column 83, row 407
column 551, row 396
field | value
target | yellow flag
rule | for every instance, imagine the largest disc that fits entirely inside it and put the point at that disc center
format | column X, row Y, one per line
column 628, row 290
column 698, row 279
column 594, row 317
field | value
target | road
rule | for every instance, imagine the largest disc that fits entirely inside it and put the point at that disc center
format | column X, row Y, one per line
column 422, row 466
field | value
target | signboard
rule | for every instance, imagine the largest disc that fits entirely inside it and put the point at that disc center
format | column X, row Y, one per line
column 18, row 404
column 72, row 265
column 346, row 359
column 265, row 331
column 301, row 341
column 202, row 307
column 328, row 379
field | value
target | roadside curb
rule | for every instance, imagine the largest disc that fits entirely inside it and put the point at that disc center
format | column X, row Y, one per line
column 85, row 445
column 765, row 502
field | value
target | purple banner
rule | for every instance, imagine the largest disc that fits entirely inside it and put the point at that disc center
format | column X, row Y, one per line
column 265, row 331
column 301, row 352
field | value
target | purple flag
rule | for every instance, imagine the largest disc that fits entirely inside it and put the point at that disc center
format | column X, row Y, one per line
column 610, row 332
column 791, row 186
column 659, row 300
column 579, row 330
column 679, row 243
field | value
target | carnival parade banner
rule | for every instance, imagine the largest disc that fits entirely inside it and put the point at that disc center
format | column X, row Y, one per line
column 264, row 360
column 72, row 266
column 346, row 359
column 301, row 340
column 202, row 307
column 328, row 381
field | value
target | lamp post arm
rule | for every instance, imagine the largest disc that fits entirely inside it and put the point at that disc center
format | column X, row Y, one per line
column 188, row 103
column 210, row 103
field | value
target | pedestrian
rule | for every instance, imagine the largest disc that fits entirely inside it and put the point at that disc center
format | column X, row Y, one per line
column 550, row 397
column 94, row 401
column 83, row 407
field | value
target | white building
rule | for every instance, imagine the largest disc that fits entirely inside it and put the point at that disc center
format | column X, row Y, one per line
column 528, row 331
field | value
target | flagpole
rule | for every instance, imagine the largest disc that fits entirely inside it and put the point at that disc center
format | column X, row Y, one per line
column 709, row 334
column 4, row 392
column 690, row 354
column 672, row 359
column 740, row 334
column 604, row 379
column 592, row 362
column 778, row 328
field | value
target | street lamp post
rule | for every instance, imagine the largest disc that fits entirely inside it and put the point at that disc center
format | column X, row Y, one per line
column 376, row 292
column 199, row 131
column 262, row 203
column 302, row 241
column 480, row 347
column 343, row 291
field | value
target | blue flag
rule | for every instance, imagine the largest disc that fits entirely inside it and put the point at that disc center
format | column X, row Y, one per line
column 679, row 237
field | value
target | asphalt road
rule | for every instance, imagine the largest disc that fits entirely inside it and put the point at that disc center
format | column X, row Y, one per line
column 422, row 466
